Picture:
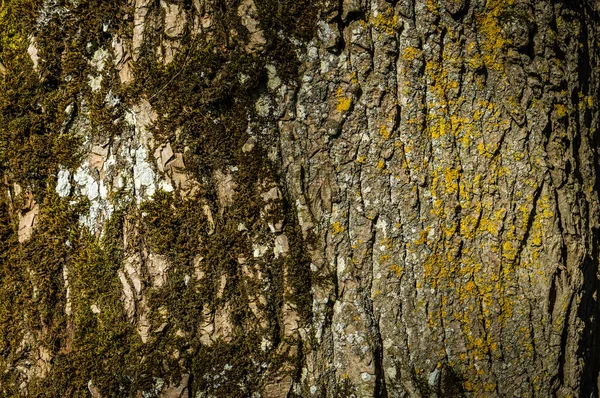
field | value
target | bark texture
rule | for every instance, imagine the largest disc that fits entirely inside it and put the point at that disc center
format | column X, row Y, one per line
column 368, row 198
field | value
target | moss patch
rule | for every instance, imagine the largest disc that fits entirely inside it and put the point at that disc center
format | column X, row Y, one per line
column 205, row 99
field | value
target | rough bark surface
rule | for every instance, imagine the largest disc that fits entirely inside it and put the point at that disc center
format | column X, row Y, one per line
column 263, row 198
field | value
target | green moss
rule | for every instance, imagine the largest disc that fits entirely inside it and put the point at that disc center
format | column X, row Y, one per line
column 298, row 268
column 283, row 20
column 205, row 98
column 33, row 143
column 33, row 140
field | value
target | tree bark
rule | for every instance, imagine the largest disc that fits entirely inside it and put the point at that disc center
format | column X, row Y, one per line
column 367, row 198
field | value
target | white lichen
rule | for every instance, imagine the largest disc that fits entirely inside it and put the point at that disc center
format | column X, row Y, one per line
column 63, row 184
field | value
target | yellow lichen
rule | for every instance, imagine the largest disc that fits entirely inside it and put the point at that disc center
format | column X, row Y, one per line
column 495, row 43
column 397, row 270
column 561, row 110
column 411, row 53
column 384, row 133
column 385, row 22
column 337, row 228
column 344, row 104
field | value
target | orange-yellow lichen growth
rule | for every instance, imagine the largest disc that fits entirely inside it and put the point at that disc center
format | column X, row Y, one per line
column 488, row 24
column 561, row 110
column 411, row 53
column 397, row 270
column 343, row 103
column 384, row 132
column 337, row 228
column 385, row 22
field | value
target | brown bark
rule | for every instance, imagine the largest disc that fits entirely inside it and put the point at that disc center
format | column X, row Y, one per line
column 355, row 198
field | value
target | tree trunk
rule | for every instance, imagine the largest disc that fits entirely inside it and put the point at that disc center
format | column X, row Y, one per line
column 296, row 198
